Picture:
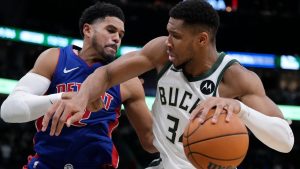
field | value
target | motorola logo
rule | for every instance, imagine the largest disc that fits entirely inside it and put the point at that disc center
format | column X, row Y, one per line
column 207, row 87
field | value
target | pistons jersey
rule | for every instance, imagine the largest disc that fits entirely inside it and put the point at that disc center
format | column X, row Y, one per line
column 87, row 144
column 177, row 96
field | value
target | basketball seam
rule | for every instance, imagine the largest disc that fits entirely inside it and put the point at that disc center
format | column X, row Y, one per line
column 237, row 158
column 225, row 135
column 199, row 125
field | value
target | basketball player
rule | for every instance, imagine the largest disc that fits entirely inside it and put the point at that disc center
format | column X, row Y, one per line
column 87, row 144
column 193, row 78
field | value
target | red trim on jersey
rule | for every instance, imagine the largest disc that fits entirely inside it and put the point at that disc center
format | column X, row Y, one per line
column 29, row 158
column 115, row 157
column 38, row 123
column 112, row 126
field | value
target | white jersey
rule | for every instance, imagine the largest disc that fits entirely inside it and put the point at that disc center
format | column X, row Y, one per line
column 176, row 97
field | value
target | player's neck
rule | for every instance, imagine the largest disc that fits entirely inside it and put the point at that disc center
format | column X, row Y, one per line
column 201, row 63
column 88, row 55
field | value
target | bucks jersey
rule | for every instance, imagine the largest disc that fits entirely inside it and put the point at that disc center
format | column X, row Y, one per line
column 177, row 96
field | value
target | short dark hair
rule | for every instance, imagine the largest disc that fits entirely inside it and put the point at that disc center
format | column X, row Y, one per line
column 197, row 12
column 99, row 10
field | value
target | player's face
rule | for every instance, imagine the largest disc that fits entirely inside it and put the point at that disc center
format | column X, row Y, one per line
column 179, row 43
column 107, row 36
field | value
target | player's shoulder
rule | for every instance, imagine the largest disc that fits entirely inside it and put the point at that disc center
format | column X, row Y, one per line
column 240, row 78
column 46, row 62
column 49, row 54
column 239, row 72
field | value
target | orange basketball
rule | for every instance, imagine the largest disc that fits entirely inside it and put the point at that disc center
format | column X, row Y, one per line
column 220, row 145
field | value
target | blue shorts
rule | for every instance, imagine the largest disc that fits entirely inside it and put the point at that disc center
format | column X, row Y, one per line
column 34, row 162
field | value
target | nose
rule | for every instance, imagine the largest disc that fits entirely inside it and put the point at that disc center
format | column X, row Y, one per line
column 116, row 38
column 168, row 42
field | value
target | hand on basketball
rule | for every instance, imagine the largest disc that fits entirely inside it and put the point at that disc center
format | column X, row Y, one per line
column 63, row 111
column 220, row 104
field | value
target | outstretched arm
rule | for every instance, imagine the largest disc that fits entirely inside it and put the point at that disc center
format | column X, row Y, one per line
column 258, row 112
column 153, row 55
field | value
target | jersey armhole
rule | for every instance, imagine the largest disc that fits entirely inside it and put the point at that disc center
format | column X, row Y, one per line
column 222, row 73
column 164, row 69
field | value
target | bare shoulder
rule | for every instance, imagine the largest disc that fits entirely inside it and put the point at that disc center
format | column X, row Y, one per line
column 156, row 51
column 242, row 81
column 46, row 62
column 132, row 89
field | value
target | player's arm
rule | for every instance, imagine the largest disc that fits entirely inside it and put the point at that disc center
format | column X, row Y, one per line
column 138, row 113
column 25, row 103
column 126, row 67
column 258, row 112
column 153, row 55
column 261, row 115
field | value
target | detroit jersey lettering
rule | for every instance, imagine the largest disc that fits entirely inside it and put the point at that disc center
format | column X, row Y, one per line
column 87, row 143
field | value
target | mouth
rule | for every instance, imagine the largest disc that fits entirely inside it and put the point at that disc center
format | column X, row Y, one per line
column 171, row 56
column 112, row 47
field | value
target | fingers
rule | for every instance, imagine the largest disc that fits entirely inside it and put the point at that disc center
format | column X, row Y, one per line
column 206, row 106
column 75, row 117
column 49, row 115
column 58, row 112
column 195, row 113
column 220, row 105
column 56, row 118
column 61, row 122
column 229, row 112
column 217, row 113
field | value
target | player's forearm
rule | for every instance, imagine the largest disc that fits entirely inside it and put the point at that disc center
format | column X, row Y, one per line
column 27, row 102
column 272, row 131
column 94, row 86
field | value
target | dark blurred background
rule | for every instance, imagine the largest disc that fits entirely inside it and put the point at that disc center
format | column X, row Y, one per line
column 260, row 26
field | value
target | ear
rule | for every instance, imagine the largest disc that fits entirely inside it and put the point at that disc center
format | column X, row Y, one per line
column 203, row 38
column 87, row 30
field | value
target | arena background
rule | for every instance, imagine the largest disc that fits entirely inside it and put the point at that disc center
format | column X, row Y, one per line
column 257, row 27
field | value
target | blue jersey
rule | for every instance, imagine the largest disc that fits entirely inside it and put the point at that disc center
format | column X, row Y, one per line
column 87, row 143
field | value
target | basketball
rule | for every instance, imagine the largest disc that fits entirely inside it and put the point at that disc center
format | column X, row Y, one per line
column 220, row 145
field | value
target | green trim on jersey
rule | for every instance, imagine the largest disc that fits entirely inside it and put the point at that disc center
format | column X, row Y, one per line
column 209, row 72
column 163, row 70
column 222, row 73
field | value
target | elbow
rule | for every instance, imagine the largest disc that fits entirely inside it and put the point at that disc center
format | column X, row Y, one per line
column 5, row 112
column 289, row 140
column 14, row 111
column 5, row 115
column 288, row 144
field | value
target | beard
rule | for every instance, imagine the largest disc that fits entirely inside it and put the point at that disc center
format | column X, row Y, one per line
column 104, row 57
column 181, row 66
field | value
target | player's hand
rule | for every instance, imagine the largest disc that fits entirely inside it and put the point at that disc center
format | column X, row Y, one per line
column 64, row 111
column 95, row 105
column 220, row 104
column 68, row 95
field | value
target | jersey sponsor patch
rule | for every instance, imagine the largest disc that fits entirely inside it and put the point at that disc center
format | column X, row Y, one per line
column 207, row 87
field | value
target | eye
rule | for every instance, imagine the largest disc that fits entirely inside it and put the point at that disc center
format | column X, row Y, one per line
column 121, row 35
column 174, row 35
column 110, row 30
